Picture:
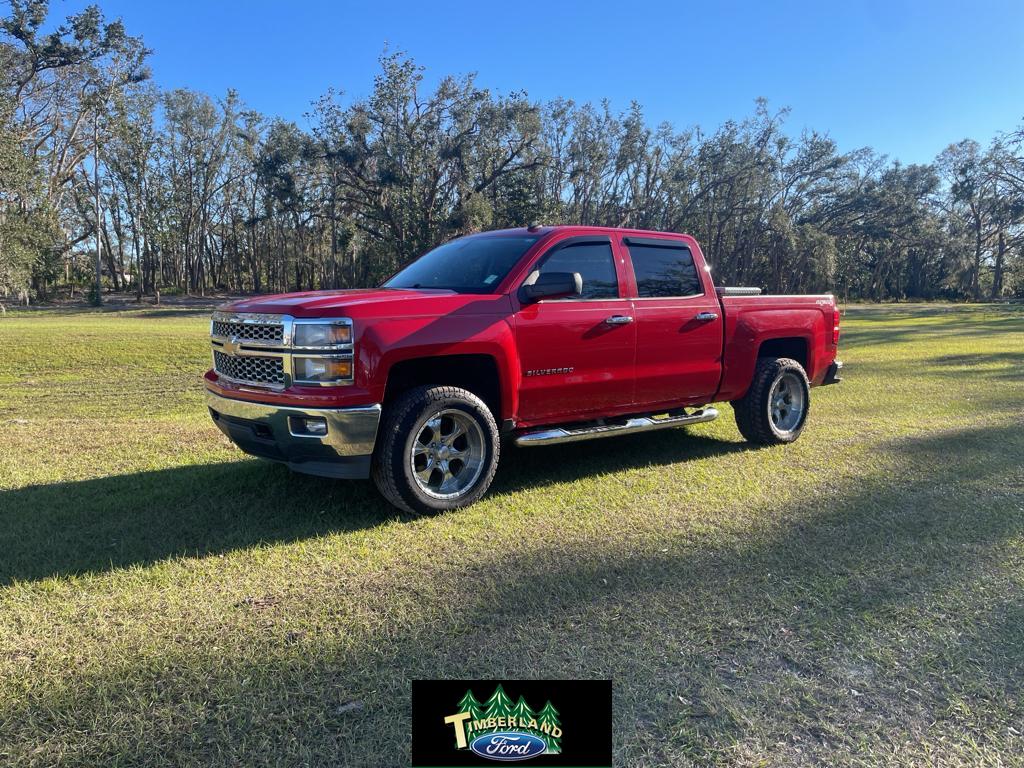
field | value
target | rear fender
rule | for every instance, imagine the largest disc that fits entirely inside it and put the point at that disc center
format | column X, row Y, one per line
column 749, row 332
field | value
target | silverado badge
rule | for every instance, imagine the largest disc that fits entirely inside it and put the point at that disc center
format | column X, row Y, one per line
column 548, row 371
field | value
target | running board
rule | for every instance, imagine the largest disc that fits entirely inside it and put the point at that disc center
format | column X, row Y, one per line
column 636, row 424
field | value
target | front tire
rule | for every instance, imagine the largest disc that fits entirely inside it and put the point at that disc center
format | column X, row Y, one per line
column 774, row 410
column 438, row 450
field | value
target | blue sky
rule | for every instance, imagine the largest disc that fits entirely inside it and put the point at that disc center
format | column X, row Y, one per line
column 906, row 78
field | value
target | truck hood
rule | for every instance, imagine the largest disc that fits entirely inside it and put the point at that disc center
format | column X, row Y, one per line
column 366, row 302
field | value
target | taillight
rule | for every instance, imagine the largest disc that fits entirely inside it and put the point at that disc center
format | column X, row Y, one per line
column 835, row 327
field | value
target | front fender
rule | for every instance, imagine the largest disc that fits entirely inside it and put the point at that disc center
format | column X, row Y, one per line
column 480, row 326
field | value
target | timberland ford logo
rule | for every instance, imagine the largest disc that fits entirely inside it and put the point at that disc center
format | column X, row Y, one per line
column 500, row 729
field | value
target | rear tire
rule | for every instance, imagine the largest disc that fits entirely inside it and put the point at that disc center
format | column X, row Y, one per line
column 775, row 408
column 437, row 450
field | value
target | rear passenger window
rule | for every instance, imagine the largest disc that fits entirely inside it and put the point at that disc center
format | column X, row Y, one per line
column 595, row 264
column 662, row 272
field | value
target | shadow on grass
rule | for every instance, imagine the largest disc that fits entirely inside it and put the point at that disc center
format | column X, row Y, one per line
column 901, row 312
column 717, row 643
column 992, row 365
column 981, row 320
column 980, row 372
column 95, row 525
column 871, row 337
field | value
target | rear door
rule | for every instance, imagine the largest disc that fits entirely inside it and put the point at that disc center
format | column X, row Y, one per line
column 678, row 325
column 577, row 353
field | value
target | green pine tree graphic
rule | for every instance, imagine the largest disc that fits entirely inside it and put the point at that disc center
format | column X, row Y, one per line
column 523, row 712
column 499, row 705
column 471, row 705
column 549, row 717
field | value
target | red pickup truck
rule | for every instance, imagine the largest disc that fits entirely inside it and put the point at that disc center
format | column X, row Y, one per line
column 541, row 335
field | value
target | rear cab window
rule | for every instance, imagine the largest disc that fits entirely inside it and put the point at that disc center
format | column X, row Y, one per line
column 663, row 268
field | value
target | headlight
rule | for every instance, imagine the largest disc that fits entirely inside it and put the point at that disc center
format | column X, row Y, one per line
column 323, row 351
column 322, row 370
column 322, row 334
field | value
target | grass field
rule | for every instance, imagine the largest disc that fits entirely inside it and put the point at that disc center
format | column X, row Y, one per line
column 856, row 598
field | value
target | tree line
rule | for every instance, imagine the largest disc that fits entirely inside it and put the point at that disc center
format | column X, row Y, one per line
column 102, row 172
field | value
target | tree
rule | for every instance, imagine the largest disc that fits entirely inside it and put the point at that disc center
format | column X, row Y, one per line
column 214, row 196
column 61, row 83
column 548, row 718
column 1007, row 168
column 470, row 704
column 417, row 169
column 28, row 225
column 971, row 205
column 522, row 711
column 499, row 705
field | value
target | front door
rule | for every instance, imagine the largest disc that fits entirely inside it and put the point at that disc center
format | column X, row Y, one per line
column 577, row 353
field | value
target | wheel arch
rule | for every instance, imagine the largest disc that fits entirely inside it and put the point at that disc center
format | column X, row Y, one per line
column 794, row 347
column 475, row 372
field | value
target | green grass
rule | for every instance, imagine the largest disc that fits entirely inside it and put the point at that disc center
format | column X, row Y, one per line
column 856, row 598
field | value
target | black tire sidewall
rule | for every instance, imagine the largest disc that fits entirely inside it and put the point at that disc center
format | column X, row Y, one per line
column 753, row 410
column 408, row 411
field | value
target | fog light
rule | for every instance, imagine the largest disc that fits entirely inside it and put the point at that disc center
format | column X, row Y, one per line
column 316, row 427
column 312, row 426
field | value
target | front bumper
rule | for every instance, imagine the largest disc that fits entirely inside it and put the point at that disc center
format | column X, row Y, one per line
column 278, row 433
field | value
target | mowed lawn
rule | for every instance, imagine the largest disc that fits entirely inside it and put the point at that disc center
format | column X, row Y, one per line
column 854, row 599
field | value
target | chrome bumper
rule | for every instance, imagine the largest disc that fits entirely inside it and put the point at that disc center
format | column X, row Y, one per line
column 276, row 432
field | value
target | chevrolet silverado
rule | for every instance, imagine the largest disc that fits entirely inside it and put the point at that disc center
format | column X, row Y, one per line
column 534, row 336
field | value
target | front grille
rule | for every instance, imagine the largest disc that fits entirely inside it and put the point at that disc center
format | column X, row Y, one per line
column 249, row 331
column 262, row 371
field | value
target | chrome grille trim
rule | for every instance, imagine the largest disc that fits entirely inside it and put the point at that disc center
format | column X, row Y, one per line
column 257, row 329
column 249, row 331
column 258, row 370
column 258, row 318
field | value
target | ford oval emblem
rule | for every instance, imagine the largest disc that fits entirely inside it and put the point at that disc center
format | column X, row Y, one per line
column 508, row 745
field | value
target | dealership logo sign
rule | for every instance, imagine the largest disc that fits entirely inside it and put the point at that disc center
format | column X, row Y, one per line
column 508, row 745
column 491, row 723
column 500, row 729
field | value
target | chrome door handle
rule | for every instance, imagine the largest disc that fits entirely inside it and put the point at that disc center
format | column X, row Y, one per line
column 703, row 316
column 619, row 320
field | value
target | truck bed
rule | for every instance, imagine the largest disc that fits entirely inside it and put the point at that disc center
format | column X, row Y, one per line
column 805, row 322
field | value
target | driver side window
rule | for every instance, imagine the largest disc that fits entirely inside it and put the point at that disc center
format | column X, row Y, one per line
column 594, row 262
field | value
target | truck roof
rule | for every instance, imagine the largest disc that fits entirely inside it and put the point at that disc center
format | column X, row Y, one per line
column 577, row 228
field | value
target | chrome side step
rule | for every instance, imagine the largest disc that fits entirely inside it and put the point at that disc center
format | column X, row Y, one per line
column 555, row 435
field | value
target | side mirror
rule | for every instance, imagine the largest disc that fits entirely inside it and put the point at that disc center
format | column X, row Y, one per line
column 550, row 285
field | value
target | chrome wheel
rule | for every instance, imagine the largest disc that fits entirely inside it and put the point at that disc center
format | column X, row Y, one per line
column 787, row 402
column 447, row 454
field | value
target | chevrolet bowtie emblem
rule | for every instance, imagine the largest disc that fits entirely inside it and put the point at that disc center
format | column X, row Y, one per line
column 231, row 346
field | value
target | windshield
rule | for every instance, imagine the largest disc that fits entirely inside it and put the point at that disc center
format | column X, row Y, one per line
column 467, row 265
